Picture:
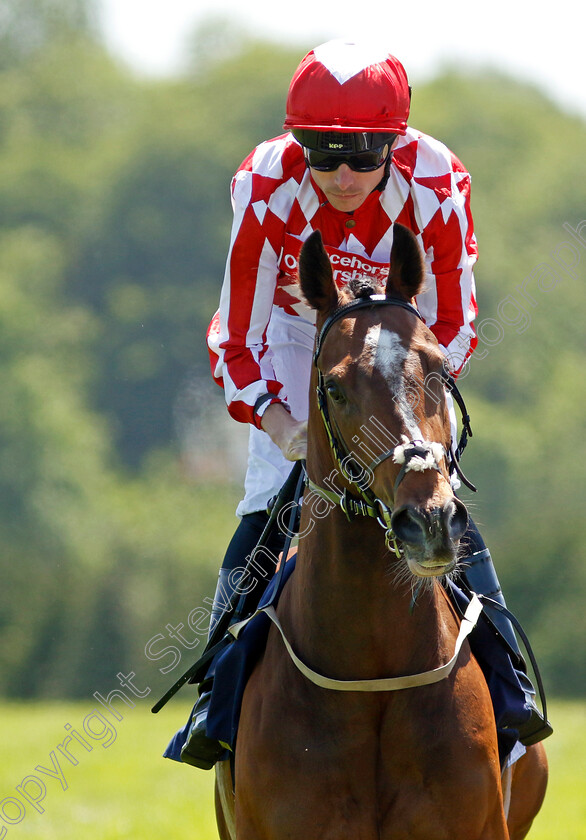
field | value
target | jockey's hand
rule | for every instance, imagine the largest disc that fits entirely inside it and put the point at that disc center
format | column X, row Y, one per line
column 288, row 434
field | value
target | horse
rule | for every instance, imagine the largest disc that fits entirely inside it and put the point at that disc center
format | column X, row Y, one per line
column 367, row 717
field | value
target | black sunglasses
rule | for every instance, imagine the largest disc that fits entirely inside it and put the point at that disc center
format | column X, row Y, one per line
column 366, row 161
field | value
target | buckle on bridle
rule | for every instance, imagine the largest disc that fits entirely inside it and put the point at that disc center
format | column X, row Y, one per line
column 391, row 543
column 353, row 506
column 384, row 520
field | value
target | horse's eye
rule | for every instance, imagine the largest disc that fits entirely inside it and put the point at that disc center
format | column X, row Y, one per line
column 335, row 393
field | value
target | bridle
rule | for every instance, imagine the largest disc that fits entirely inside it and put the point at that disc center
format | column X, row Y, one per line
column 412, row 455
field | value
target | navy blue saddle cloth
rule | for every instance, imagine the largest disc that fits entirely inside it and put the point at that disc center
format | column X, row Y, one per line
column 234, row 665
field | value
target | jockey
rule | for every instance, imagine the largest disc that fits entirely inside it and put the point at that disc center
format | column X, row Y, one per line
column 349, row 166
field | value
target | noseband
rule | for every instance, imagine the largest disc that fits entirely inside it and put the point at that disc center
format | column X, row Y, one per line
column 412, row 455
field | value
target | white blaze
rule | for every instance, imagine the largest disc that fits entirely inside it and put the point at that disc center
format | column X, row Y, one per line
column 388, row 358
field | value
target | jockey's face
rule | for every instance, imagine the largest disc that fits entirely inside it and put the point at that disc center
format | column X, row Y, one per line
column 346, row 189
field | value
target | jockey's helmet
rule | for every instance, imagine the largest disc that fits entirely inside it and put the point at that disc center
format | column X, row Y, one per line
column 346, row 87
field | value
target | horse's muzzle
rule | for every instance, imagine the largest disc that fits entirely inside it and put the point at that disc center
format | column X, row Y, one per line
column 430, row 538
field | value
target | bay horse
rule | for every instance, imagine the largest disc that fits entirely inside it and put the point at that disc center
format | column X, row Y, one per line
column 332, row 751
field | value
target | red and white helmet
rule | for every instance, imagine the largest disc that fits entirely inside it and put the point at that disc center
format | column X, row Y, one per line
column 349, row 87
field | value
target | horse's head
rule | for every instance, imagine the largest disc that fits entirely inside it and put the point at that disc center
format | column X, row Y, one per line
column 381, row 397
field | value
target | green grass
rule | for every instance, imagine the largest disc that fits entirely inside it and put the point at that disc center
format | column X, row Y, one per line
column 564, row 812
column 122, row 788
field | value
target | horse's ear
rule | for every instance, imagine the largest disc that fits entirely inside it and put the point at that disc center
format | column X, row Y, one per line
column 407, row 271
column 315, row 275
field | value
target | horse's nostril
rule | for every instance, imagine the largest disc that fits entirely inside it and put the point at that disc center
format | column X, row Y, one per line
column 408, row 525
column 417, row 527
column 457, row 519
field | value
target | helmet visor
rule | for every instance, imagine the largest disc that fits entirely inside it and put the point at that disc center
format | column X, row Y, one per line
column 362, row 151
column 359, row 162
column 340, row 142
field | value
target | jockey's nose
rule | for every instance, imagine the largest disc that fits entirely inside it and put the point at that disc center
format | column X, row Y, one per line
column 344, row 176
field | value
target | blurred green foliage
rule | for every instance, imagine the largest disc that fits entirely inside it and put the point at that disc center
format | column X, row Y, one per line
column 120, row 471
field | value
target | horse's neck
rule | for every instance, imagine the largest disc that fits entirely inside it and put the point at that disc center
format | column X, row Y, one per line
column 350, row 610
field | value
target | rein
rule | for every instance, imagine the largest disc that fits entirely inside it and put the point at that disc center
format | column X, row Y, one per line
column 412, row 455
